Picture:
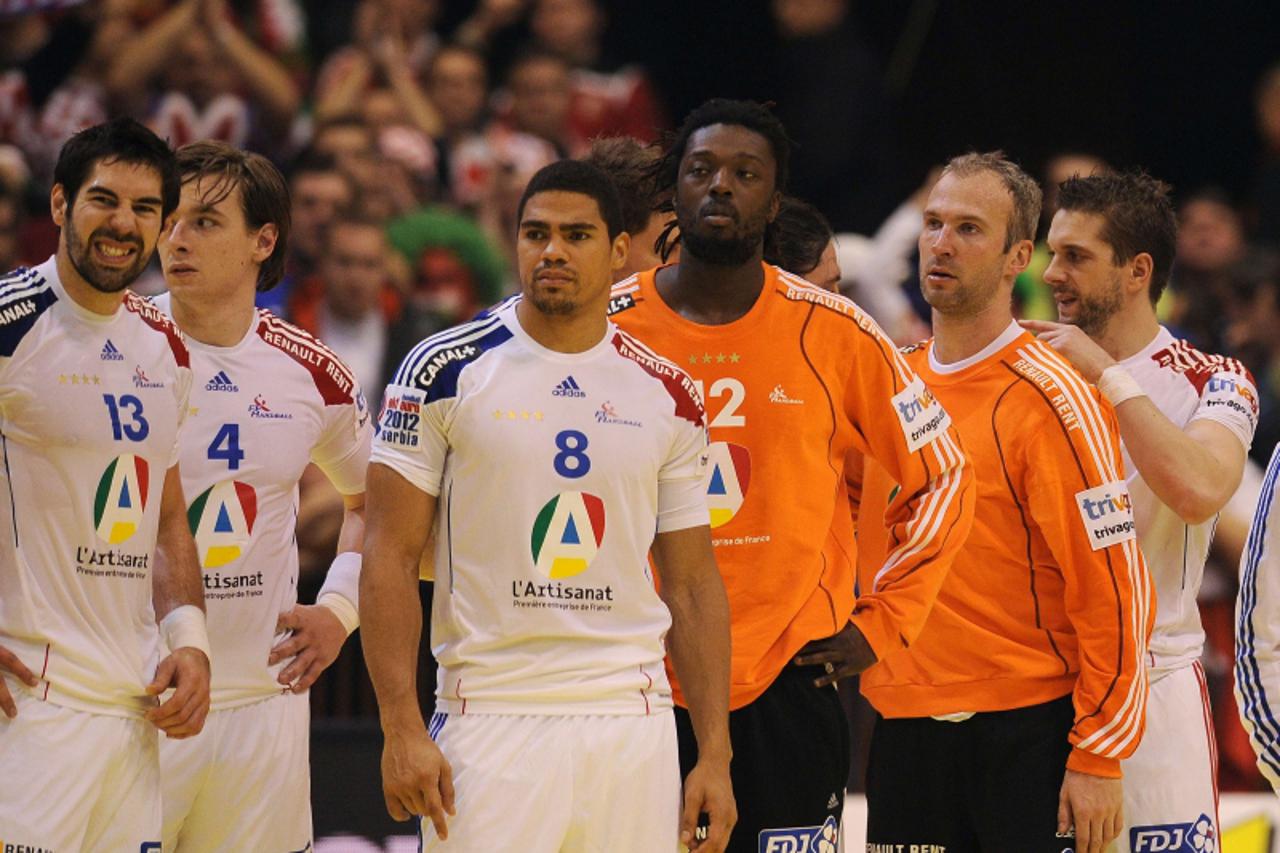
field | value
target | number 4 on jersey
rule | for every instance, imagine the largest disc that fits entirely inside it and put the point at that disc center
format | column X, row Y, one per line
column 226, row 446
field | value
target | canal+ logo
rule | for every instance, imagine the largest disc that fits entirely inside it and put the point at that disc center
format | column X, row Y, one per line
column 1107, row 513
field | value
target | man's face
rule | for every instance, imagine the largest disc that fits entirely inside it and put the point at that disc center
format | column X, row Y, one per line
column 207, row 250
column 1210, row 236
column 111, row 228
column 564, row 25
column 540, row 98
column 354, row 268
column 963, row 260
column 317, row 198
column 564, row 254
column 827, row 273
column 457, row 87
column 642, row 255
column 725, row 194
column 1087, row 286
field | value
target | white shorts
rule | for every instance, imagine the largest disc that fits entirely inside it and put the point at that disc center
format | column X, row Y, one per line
column 546, row 784
column 72, row 780
column 1171, row 782
column 244, row 783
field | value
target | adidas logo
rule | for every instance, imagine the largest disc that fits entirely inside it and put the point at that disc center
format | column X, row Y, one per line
column 568, row 387
column 110, row 353
column 832, row 803
column 221, row 382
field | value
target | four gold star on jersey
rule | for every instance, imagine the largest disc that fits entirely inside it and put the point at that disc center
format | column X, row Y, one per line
column 78, row 379
column 719, row 358
column 512, row 415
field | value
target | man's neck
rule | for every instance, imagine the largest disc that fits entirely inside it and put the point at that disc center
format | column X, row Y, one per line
column 1130, row 331
column 81, row 292
column 218, row 322
column 567, row 333
column 956, row 338
column 710, row 294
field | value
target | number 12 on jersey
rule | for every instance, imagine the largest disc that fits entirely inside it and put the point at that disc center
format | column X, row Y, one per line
column 226, row 446
column 728, row 415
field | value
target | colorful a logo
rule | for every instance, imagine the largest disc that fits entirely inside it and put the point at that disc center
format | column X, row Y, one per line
column 221, row 520
column 567, row 534
column 121, row 499
column 728, row 476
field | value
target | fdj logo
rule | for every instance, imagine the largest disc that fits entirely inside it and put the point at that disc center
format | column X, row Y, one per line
column 801, row 839
column 1198, row 836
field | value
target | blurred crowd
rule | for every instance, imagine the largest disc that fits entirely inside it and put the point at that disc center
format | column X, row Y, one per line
column 408, row 128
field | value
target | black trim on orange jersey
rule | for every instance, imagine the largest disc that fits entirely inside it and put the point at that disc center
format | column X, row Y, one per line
column 1111, row 570
column 1022, row 517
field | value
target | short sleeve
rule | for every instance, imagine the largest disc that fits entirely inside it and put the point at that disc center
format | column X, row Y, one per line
column 1230, row 398
column 682, row 491
column 343, row 450
column 411, row 437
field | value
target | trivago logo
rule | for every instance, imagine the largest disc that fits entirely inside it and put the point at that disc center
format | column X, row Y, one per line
column 920, row 414
column 567, row 534
column 1232, row 392
column 728, row 477
column 221, row 520
column 1107, row 513
column 121, row 499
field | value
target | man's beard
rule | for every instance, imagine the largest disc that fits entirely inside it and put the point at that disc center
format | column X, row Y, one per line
column 552, row 306
column 1093, row 314
column 80, row 254
column 730, row 250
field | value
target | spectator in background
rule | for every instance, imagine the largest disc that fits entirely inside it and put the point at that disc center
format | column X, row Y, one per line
column 831, row 97
column 394, row 40
column 800, row 241
column 385, row 185
column 1211, row 241
column 605, row 101
column 1251, row 337
column 318, row 190
column 195, row 74
column 1266, row 185
column 11, row 216
column 349, row 303
column 631, row 165
column 537, row 101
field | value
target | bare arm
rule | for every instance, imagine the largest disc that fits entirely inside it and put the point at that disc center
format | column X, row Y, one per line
column 267, row 80
column 316, row 630
column 142, row 56
column 416, row 778
column 176, row 582
column 699, row 647
column 1194, row 471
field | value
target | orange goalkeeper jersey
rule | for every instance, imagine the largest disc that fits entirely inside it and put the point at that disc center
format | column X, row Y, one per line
column 1050, row 594
column 796, row 389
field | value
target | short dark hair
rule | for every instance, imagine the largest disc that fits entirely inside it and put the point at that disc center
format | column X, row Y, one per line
column 576, row 176
column 1022, row 189
column 798, row 237
column 754, row 117
column 629, row 164
column 121, row 140
column 264, row 195
column 1137, row 216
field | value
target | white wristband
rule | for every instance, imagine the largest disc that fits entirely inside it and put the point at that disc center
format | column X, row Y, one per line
column 185, row 627
column 1117, row 385
column 342, row 581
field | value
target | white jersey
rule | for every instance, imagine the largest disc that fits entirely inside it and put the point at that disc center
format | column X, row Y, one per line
column 89, row 413
column 1185, row 385
column 1257, row 681
column 553, row 473
column 261, row 410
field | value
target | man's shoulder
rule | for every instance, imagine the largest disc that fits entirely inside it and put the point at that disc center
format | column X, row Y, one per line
column 436, row 363
column 333, row 380
column 25, row 294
